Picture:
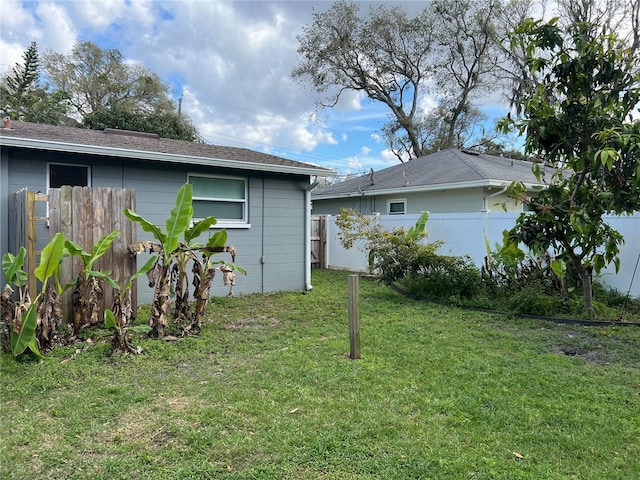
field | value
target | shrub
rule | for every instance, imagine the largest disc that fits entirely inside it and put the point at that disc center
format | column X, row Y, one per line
column 397, row 257
column 443, row 277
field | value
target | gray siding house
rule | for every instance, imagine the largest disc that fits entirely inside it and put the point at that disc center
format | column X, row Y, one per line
column 262, row 200
column 448, row 181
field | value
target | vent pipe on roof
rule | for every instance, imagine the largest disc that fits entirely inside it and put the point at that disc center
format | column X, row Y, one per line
column 6, row 122
column 130, row 133
column 475, row 153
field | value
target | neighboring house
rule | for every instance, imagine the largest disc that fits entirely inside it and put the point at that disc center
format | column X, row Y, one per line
column 262, row 200
column 448, row 181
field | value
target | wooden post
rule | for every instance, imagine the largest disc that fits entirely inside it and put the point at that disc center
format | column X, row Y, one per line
column 32, row 253
column 354, row 317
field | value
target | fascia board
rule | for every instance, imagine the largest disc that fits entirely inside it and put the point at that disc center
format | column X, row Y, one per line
column 427, row 188
column 159, row 156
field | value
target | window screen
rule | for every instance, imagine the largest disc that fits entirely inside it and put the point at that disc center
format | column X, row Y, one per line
column 222, row 197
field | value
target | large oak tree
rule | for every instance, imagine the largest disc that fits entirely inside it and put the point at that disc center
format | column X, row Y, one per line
column 445, row 52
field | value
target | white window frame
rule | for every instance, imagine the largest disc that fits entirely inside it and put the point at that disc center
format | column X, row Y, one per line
column 226, row 222
column 88, row 167
column 397, row 200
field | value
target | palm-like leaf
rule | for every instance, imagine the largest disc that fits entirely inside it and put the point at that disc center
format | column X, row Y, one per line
column 146, row 225
column 12, row 266
column 110, row 320
column 74, row 249
column 179, row 218
column 50, row 258
column 26, row 338
column 218, row 240
column 199, row 228
column 101, row 246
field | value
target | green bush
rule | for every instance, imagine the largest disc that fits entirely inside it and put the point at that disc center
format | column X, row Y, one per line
column 443, row 277
column 508, row 281
column 397, row 258
column 531, row 300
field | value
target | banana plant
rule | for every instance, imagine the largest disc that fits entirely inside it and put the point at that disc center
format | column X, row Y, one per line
column 176, row 224
column 25, row 318
column 204, row 271
column 179, row 274
column 119, row 316
column 175, row 248
column 87, row 297
column 13, row 308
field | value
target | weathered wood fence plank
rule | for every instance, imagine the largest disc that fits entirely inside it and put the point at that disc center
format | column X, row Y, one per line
column 84, row 215
column 318, row 242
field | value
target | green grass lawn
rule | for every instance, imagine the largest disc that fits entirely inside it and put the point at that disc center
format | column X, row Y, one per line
column 268, row 392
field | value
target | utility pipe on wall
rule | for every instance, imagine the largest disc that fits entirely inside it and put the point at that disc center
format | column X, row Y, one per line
column 499, row 192
column 307, row 235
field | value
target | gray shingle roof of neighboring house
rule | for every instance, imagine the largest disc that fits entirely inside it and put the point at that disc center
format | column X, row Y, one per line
column 111, row 142
column 446, row 169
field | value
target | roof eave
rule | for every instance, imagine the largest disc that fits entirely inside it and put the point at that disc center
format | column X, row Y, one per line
column 160, row 156
column 428, row 188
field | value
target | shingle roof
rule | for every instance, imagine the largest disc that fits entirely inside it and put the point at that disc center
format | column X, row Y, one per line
column 450, row 168
column 135, row 145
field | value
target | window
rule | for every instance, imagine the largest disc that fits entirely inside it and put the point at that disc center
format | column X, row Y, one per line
column 396, row 207
column 60, row 174
column 222, row 197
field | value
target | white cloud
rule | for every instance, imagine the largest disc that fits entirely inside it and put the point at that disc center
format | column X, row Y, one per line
column 17, row 27
column 14, row 19
column 350, row 101
column 231, row 61
column 98, row 15
column 58, row 31
column 389, row 157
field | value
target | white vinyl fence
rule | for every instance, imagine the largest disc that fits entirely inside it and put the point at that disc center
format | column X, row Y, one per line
column 466, row 234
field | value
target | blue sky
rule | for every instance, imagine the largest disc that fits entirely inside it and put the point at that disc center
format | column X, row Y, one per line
column 231, row 62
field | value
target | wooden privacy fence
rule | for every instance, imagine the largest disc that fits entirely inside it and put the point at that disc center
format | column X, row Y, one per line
column 318, row 242
column 83, row 215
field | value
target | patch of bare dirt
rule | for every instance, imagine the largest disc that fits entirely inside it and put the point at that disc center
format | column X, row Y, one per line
column 580, row 345
column 573, row 351
column 254, row 322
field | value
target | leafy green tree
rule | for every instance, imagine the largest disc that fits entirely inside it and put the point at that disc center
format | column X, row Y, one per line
column 99, row 80
column 514, row 74
column 166, row 124
column 578, row 119
column 22, row 97
column 107, row 92
column 18, row 85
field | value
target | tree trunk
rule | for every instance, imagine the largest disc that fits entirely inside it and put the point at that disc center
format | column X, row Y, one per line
column 587, row 291
column 161, row 303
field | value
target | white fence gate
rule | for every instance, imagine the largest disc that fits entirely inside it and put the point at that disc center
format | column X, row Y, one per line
column 466, row 234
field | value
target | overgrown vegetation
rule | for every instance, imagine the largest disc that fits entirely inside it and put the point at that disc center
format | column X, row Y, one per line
column 509, row 280
column 37, row 325
column 267, row 391
column 580, row 121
